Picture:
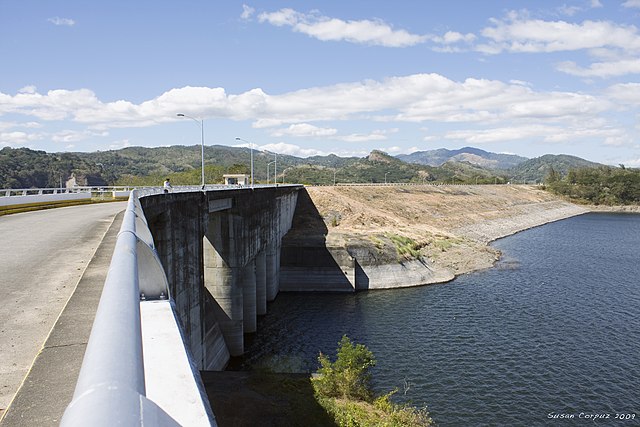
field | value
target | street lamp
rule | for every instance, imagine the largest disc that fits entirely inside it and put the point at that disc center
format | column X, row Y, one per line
column 275, row 168
column 268, row 166
column 250, row 146
column 201, row 123
column 385, row 177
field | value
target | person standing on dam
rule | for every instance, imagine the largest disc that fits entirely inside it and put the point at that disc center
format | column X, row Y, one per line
column 167, row 186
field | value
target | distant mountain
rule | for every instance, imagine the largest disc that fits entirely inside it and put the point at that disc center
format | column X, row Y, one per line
column 537, row 169
column 24, row 168
column 474, row 156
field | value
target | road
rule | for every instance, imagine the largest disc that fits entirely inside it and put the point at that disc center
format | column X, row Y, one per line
column 43, row 255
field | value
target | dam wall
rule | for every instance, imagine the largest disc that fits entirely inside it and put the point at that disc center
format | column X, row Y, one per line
column 220, row 251
column 228, row 252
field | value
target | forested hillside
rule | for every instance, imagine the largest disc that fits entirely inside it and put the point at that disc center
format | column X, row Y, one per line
column 25, row 168
column 601, row 186
column 140, row 166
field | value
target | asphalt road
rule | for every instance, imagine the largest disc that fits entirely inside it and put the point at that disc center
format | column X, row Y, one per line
column 43, row 255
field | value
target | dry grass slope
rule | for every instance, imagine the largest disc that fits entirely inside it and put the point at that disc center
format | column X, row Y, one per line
column 449, row 225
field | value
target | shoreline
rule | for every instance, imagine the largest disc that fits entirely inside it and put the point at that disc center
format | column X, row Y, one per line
column 450, row 227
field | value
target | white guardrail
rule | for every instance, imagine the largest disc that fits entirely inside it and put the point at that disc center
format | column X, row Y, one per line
column 136, row 370
column 19, row 196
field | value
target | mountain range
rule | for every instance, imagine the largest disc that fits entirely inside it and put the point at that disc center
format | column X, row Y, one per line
column 474, row 156
column 25, row 168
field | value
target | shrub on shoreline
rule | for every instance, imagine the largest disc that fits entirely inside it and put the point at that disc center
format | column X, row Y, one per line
column 342, row 388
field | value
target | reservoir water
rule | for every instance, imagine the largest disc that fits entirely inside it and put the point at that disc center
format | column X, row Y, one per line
column 553, row 330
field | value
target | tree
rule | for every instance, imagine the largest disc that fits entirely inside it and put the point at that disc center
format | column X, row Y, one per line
column 349, row 376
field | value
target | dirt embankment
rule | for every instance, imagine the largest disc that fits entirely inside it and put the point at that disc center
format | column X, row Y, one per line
column 446, row 226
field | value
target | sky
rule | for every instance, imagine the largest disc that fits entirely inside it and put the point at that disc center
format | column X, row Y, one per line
column 317, row 77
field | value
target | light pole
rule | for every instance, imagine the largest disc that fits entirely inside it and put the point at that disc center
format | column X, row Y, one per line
column 385, row 177
column 250, row 146
column 201, row 123
column 283, row 174
column 275, row 168
column 334, row 176
column 268, row 166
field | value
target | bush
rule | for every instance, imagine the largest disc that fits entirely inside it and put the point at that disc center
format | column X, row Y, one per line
column 348, row 377
column 342, row 389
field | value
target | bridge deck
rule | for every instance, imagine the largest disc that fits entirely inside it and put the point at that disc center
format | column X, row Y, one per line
column 33, row 298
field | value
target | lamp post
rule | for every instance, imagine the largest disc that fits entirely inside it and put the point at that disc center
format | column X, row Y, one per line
column 385, row 177
column 201, row 123
column 274, row 177
column 251, row 147
column 275, row 168
column 283, row 174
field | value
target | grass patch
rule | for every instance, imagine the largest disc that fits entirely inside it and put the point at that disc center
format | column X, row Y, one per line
column 407, row 248
column 444, row 243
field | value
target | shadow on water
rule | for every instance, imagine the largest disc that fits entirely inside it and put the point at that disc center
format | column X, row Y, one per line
column 258, row 398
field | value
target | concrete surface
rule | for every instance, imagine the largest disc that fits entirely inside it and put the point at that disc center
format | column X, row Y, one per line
column 43, row 256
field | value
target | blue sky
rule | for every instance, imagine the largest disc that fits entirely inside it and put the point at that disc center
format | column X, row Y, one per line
column 306, row 78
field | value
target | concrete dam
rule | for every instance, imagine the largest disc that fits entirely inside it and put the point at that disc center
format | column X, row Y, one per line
column 221, row 254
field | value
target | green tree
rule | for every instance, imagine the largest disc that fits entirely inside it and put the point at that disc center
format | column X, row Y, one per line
column 349, row 376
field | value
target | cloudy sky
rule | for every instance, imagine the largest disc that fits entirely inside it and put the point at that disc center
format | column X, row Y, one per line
column 306, row 78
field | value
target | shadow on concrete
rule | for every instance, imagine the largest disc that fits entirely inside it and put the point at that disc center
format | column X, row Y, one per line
column 307, row 263
column 362, row 280
column 254, row 398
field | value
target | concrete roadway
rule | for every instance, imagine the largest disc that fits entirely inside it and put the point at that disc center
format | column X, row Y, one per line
column 43, row 255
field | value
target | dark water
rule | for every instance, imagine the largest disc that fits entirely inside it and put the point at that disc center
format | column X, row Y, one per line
column 554, row 328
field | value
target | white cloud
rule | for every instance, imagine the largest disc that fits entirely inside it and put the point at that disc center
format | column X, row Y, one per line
column 631, row 3
column 28, row 89
column 595, row 4
column 25, row 125
column 376, row 135
column 360, row 137
column 602, row 69
column 451, row 37
column 616, row 46
column 544, row 133
column 304, row 130
column 518, row 33
column 17, row 138
column 625, row 93
column 634, row 163
column 247, row 12
column 369, row 32
column 292, row 150
column 419, row 98
column 116, row 145
column 392, row 150
column 569, row 10
column 66, row 22
column 75, row 136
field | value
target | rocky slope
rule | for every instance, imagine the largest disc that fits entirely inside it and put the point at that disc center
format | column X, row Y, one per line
column 441, row 230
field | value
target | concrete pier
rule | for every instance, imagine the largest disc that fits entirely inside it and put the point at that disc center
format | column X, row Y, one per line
column 221, row 252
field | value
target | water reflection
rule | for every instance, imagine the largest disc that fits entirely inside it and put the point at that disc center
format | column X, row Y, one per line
column 554, row 328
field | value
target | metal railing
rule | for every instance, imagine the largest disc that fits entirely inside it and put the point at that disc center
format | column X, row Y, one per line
column 12, row 192
column 111, row 384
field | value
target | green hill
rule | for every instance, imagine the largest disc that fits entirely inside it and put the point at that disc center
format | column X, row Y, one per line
column 25, row 168
column 537, row 169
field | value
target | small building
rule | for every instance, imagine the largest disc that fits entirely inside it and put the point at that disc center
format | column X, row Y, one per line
column 236, row 179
